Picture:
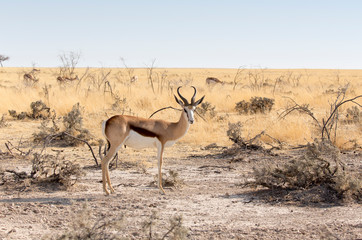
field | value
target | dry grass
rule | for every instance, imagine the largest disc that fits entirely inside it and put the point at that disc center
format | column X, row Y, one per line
column 102, row 95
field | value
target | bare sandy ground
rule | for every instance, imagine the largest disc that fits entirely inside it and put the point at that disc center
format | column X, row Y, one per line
column 210, row 199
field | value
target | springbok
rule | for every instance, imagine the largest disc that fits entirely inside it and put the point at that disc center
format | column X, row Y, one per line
column 30, row 77
column 139, row 133
column 61, row 79
column 213, row 80
column 134, row 79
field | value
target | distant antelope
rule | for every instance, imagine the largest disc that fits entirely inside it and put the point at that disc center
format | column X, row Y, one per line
column 213, row 80
column 64, row 79
column 139, row 132
column 30, row 77
column 134, row 79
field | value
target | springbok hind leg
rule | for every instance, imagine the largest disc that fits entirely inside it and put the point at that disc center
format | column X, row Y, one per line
column 105, row 169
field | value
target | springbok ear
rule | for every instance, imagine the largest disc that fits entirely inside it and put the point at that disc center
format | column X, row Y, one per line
column 179, row 101
column 199, row 101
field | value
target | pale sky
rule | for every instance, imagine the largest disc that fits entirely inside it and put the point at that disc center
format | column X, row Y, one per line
column 184, row 34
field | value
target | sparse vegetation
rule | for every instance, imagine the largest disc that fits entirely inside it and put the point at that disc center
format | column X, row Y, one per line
column 260, row 130
column 39, row 110
column 327, row 126
column 171, row 179
column 56, row 169
column 3, row 122
column 176, row 230
column 353, row 115
column 83, row 227
column 46, row 168
column 72, row 133
column 255, row 105
column 320, row 166
column 207, row 110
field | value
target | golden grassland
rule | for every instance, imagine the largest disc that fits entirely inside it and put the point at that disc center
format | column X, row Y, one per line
column 100, row 100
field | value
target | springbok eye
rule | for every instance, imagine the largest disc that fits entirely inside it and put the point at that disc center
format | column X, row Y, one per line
column 185, row 110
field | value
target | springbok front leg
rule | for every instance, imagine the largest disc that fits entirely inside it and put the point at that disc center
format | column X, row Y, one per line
column 160, row 148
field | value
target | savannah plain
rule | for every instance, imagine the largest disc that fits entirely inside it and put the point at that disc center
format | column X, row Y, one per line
column 209, row 195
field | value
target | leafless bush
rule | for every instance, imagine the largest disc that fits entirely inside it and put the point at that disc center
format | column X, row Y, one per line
column 83, row 227
column 288, row 79
column 69, row 63
column 257, row 79
column 100, row 78
column 327, row 126
column 320, row 166
column 39, row 110
column 176, row 230
column 256, row 105
column 238, row 77
column 120, row 104
column 3, row 58
column 129, row 71
column 234, row 133
column 158, row 80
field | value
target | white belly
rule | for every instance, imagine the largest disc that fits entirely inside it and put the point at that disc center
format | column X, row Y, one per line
column 136, row 140
column 170, row 143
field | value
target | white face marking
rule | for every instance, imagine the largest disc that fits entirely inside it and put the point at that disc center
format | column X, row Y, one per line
column 190, row 113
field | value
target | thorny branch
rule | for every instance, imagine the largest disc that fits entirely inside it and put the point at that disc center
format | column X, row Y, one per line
column 326, row 126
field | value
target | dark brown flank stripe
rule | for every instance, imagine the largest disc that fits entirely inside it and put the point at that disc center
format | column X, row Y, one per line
column 143, row 132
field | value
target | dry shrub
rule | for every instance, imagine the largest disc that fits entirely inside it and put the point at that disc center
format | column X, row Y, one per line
column 46, row 130
column 207, row 110
column 255, row 105
column 73, row 133
column 176, row 230
column 171, row 179
column 234, row 132
column 39, row 110
column 12, row 177
column 3, row 122
column 73, row 123
column 55, row 169
column 45, row 168
column 354, row 115
column 83, row 227
column 318, row 171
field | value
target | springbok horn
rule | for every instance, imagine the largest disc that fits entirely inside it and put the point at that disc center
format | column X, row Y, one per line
column 193, row 97
column 183, row 99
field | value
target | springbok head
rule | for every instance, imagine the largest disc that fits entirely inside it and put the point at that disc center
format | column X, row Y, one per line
column 189, row 108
